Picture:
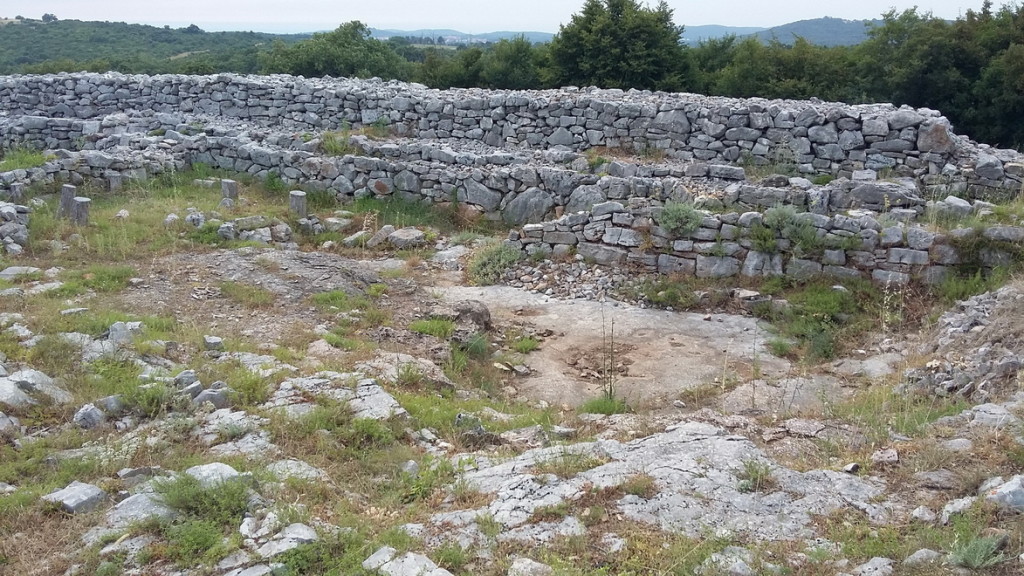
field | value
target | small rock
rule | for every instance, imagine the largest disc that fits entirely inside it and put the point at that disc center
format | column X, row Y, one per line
column 1009, row 495
column 213, row 343
column 937, row 480
column 89, row 417
column 885, row 457
column 78, row 497
column 923, row 556
column 528, row 567
column 851, row 468
column 219, row 398
column 957, row 506
column 212, row 474
column 923, row 514
column 874, row 567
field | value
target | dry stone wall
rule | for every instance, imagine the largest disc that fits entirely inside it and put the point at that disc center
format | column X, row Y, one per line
column 817, row 136
column 517, row 157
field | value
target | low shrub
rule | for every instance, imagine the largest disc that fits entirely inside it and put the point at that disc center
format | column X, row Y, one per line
column 487, row 265
column 680, row 218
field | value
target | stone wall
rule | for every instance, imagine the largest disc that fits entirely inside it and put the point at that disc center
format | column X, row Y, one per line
column 724, row 245
column 816, row 136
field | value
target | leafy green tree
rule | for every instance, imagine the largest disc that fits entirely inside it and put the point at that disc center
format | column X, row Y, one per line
column 510, row 64
column 347, row 51
column 620, row 44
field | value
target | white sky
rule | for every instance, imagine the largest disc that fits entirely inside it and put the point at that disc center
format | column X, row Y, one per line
column 473, row 16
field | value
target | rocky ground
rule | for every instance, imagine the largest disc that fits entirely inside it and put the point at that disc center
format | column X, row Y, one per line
column 174, row 403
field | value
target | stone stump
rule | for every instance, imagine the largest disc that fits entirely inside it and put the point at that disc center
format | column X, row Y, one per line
column 229, row 189
column 68, row 192
column 80, row 210
column 297, row 203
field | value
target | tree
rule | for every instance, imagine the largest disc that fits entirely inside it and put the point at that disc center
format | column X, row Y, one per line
column 347, row 51
column 49, row 18
column 510, row 64
column 620, row 44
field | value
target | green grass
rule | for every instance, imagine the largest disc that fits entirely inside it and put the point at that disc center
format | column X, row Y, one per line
column 437, row 327
column 567, row 464
column 252, row 297
column 821, row 319
column 103, row 278
column 438, row 412
column 339, row 301
column 605, row 404
column 667, row 292
column 222, row 504
column 403, row 213
column 21, row 159
column 877, row 409
column 525, row 344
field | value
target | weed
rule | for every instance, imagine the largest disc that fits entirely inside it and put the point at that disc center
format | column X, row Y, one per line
column 763, row 239
column 274, row 183
column 668, row 292
column 642, row 485
column 822, row 179
column 755, row 476
column 680, row 218
column 252, row 297
column 336, row 143
column 568, row 464
column 151, row 400
column 608, row 402
column 366, row 433
column 195, row 541
column 780, row 347
column 222, row 504
column 433, row 474
column 437, row 327
column 487, row 265
column 605, row 404
column 550, row 512
column 525, row 344
column 452, row 557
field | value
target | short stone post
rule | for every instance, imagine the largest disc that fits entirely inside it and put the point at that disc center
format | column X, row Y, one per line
column 297, row 203
column 115, row 183
column 229, row 189
column 68, row 192
column 80, row 210
column 17, row 192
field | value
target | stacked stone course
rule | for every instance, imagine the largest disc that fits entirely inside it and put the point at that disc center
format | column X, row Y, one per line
column 517, row 157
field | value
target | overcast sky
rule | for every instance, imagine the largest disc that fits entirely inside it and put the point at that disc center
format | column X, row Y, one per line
column 473, row 16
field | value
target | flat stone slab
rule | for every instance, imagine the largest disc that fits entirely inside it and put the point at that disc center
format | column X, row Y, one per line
column 77, row 497
column 13, row 272
column 284, row 469
column 211, row 474
column 138, row 508
column 694, row 466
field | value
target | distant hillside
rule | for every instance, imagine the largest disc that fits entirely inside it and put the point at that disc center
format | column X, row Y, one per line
column 694, row 34
column 821, row 31
column 456, row 37
column 28, row 42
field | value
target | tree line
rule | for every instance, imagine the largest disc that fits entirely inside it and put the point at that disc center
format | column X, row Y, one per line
column 971, row 69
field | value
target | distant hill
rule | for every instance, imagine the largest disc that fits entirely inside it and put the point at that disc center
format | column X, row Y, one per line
column 28, row 42
column 456, row 37
column 694, row 34
column 821, row 31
